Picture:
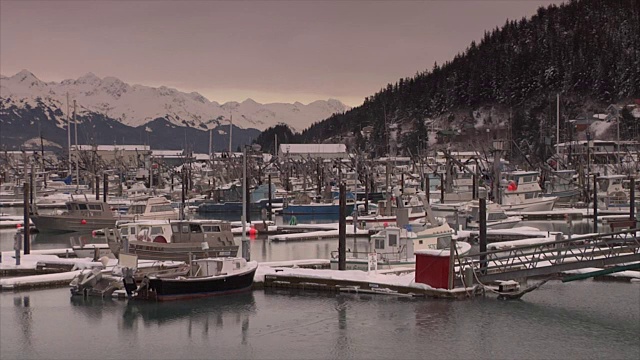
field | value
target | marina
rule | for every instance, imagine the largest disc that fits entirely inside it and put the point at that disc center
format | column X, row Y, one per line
column 258, row 186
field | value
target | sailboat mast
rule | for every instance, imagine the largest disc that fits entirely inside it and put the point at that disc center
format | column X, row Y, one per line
column 75, row 122
column 68, row 134
column 558, row 127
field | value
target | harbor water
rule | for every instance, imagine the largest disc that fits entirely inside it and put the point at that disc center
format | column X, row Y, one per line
column 577, row 320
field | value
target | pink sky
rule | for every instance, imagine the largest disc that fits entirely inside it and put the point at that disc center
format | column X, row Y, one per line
column 270, row 51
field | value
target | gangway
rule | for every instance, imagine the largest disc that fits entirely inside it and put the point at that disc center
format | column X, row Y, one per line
column 548, row 258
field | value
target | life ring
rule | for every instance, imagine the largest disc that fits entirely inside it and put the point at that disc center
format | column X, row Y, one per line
column 160, row 239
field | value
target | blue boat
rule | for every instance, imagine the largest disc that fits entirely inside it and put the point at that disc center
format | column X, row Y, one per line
column 229, row 200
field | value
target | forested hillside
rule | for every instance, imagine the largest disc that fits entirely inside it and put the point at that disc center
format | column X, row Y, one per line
column 587, row 51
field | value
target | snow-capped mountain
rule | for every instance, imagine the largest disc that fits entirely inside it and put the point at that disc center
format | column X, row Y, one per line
column 136, row 105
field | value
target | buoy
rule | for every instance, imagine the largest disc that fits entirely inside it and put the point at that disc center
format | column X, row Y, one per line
column 252, row 231
column 93, row 233
column 83, row 222
column 385, row 224
column 18, row 226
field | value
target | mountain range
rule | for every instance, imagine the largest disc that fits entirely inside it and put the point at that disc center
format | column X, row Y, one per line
column 109, row 110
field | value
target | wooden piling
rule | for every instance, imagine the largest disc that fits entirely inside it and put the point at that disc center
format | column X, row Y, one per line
column 595, row 203
column 483, row 232
column 342, row 229
column 26, row 228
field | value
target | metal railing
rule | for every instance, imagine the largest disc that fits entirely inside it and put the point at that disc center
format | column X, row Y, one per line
column 554, row 257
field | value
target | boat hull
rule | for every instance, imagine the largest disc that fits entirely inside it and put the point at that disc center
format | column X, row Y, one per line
column 540, row 204
column 60, row 224
column 178, row 251
column 170, row 289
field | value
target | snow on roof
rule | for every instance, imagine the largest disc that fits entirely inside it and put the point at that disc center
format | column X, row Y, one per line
column 111, row 147
column 313, row 148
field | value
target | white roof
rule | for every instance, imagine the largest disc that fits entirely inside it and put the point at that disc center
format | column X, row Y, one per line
column 312, row 148
column 111, row 147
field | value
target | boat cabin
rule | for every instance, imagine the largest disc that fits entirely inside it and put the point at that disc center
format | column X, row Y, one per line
column 219, row 266
column 88, row 207
column 392, row 244
column 214, row 232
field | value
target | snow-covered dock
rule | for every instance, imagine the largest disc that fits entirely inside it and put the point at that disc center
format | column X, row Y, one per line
column 354, row 281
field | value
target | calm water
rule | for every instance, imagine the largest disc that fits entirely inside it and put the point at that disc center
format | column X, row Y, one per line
column 577, row 320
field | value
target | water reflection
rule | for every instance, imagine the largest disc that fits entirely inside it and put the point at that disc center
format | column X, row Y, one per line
column 218, row 312
column 25, row 316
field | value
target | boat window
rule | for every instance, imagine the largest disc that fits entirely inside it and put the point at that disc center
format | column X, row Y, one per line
column 496, row 216
column 238, row 265
column 161, row 208
column 82, row 206
column 132, row 230
column 195, row 228
column 529, row 195
column 69, row 207
column 97, row 207
column 393, row 240
column 211, row 228
column 379, row 244
column 603, row 184
column 155, row 230
column 175, row 228
column 185, row 228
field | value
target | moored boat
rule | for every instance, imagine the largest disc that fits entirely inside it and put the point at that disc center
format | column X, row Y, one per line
column 173, row 240
column 208, row 277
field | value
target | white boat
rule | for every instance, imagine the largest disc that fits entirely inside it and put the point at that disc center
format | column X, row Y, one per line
column 382, row 217
column 612, row 195
column 496, row 217
column 523, row 193
column 173, row 240
column 394, row 247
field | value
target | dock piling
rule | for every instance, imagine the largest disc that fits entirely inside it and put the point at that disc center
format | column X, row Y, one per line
column 483, row 232
column 25, row 226
column 595, row 203
column 342, row 229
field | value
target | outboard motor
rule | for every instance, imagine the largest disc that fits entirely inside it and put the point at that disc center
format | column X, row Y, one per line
column 129, row 282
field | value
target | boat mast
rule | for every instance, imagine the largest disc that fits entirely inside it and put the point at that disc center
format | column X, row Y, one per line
column 558, row 128
column 75, row 122
column 68, row 133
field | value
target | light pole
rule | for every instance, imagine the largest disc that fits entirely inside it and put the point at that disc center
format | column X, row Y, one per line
column 246, row 245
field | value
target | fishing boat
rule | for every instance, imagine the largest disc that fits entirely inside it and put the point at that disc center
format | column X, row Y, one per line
column 387, row 215
column 496, row 217
column 208, row 277
column 173, row 240
column 85, row 214
column 394, row 247
column 561, row 184
column 612, row 196
column 523, row 193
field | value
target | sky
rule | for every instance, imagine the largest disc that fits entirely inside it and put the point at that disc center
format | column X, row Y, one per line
column 269, row 51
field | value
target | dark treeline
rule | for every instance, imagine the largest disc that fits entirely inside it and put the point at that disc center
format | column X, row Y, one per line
column 588, row 51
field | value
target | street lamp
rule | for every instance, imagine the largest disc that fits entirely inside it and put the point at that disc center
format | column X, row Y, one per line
column 246, row 245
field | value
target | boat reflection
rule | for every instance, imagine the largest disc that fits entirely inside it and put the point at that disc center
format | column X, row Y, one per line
column 219, row 311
